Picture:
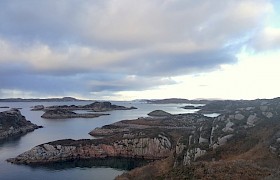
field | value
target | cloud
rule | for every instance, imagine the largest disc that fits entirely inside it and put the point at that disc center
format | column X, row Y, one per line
column 267, row 39
column 110, row 46
column 130, row 83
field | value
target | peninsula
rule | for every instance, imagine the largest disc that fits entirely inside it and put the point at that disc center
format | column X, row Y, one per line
column 13, row 123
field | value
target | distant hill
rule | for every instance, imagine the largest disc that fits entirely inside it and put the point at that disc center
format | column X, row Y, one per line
column 64, row 99
column 177, row 101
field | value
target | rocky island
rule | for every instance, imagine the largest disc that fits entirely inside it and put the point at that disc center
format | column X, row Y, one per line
column 242, row 143
column 177, row 101
column 64, row 114
column 159, row 113
column 4, row 107
column 191, row 107
column 13, row 123
column 95, row 107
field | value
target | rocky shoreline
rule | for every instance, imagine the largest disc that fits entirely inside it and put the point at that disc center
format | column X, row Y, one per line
column 244, row 139
column 65, row 150
column 12, row 123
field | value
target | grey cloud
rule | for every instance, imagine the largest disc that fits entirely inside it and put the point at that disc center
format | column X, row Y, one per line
column 128, row 22
column 44, row 84
column 156, row 64
column 46, row 21
column 93, row 46
column 130, row 83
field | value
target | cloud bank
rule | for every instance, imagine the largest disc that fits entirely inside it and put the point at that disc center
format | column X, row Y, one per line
column 86, row 47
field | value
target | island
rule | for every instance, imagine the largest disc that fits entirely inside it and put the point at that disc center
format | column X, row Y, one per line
column 177, row 101
column 65, row 114
column 95, row 107
column 159, row 113
column 4, row 107
column 13, row 123
column 241, row 143
column 191, row 107
column 64, row 99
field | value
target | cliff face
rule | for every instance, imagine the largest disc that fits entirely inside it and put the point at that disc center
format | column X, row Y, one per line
column 144, row 147
column 236, row 123
column 12, row 123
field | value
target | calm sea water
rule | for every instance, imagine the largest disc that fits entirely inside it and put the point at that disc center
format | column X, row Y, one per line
column 77, row 128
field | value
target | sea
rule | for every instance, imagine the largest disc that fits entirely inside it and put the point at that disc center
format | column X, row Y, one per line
column 76, row 128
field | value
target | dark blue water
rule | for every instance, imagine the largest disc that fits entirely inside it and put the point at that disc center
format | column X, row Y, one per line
column 77, row 128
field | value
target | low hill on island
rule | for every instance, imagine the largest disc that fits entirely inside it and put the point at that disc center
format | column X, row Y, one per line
column 95, row 107
column 159, row 113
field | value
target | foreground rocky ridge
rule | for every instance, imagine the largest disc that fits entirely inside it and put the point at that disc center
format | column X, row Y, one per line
column 12, row 123
column 243, row 140
column 242, row 143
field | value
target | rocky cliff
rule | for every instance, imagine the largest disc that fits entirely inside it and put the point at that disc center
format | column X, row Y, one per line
column 135, row 147
column 12, row 123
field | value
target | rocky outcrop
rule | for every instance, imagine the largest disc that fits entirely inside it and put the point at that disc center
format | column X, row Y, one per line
column 191, row 107
column 4, row 107
column 106, row 106
column 37, row 108
column 159, row 113
column 107, row 132
column 231, row 125
column 141, row 147
column 12, row 123
column 95, row 107
column 64, row 114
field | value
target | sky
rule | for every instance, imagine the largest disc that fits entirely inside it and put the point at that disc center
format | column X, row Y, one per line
column 148, row 49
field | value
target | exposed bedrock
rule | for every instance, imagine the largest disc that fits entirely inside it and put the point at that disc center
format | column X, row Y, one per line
column 13, row 123
column 144, row 147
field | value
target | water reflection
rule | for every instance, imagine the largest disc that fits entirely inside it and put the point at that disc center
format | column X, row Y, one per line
column 115, row 163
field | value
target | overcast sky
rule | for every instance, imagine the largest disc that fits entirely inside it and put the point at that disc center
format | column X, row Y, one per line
column 131, row 49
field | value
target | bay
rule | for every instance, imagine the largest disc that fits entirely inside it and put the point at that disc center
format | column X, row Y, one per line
column 77, row 128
